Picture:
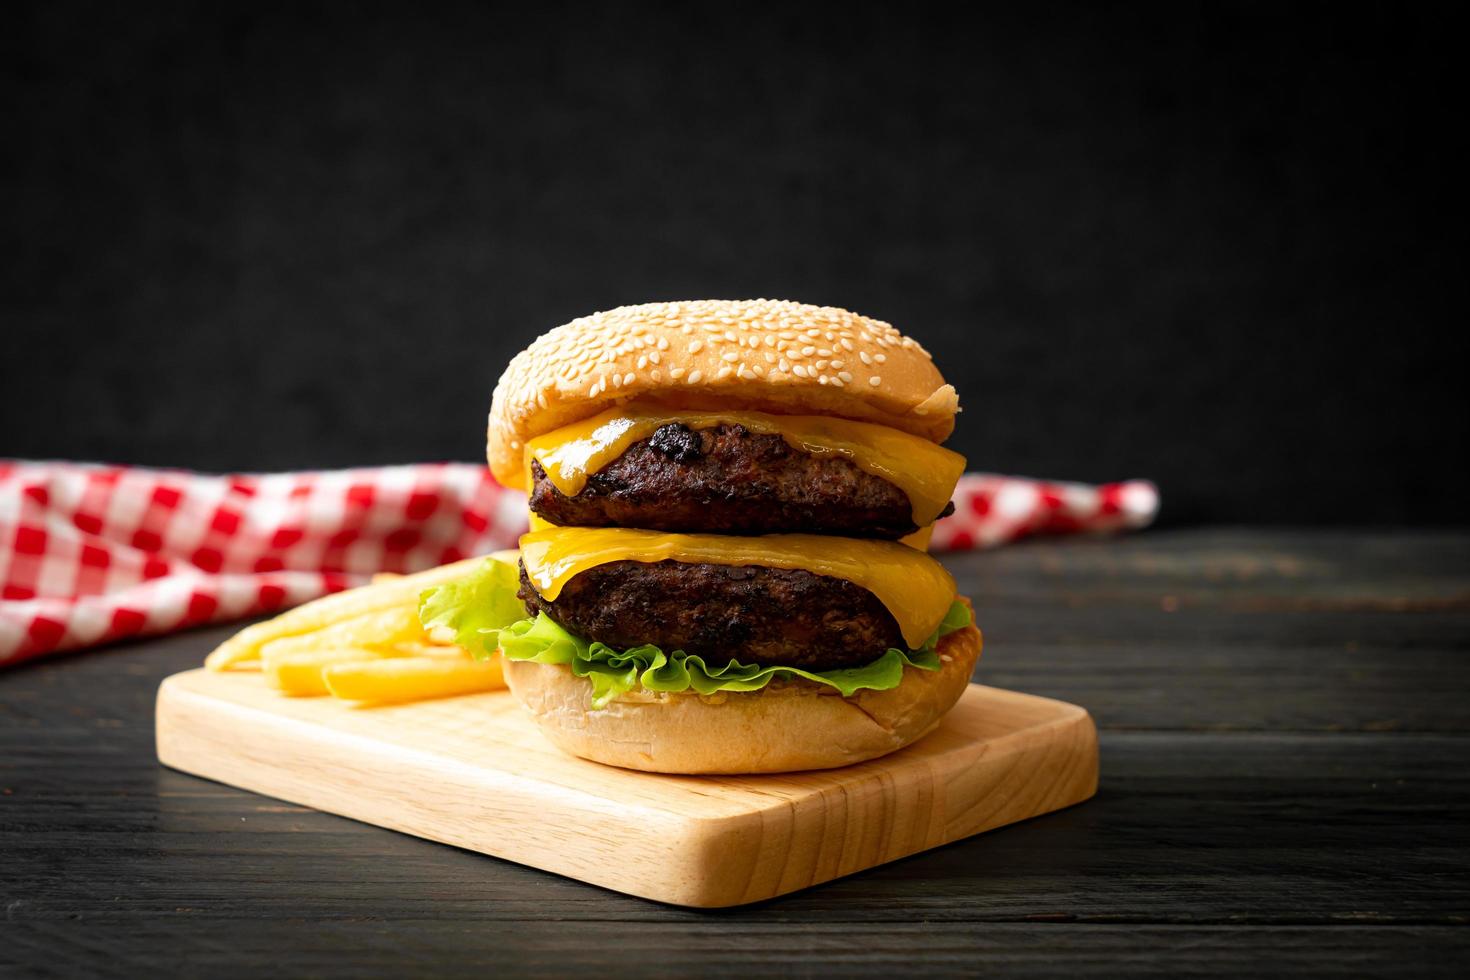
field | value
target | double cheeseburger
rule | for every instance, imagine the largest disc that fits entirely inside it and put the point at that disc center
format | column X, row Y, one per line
column 725, row 571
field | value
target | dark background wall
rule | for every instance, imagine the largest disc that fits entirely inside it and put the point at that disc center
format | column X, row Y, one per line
column 1216, row 245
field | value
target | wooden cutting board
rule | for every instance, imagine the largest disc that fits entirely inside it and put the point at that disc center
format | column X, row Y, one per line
column 475, row 772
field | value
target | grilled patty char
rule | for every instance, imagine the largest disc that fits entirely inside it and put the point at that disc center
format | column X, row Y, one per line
column 728, row 480
column 753, row 614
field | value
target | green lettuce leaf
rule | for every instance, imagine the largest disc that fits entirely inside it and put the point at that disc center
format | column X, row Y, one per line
column 957, row 618
column 483, row 611
column 477, row 607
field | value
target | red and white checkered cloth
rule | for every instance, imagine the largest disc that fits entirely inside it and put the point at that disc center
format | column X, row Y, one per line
column 92, row 554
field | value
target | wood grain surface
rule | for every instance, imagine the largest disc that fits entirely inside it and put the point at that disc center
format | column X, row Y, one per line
column 1285, row 746
column 476, row 772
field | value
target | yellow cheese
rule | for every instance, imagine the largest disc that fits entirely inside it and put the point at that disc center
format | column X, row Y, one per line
column 912, row 586
column 919, row 539
column 926, row 472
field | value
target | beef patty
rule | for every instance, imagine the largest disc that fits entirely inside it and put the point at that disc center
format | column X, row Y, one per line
column 728, row 480
column 772, row 616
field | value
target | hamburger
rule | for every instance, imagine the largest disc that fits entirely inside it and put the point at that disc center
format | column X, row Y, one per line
column 726, row 568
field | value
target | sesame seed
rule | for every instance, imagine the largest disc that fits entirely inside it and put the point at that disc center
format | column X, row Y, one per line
column 654, row 357
column 837, row 382
column 729, row 356
column 785, row 365
column 730, row 336
column 694, row 376
column 846, row 344
column 822, row 380
column 663, row 343
column 724, row 373
column 799, row 371
column 863, row 356
column 825, row 352
column 642, row 362
column 838, row 363
column 875, row 381
column 676, row 373
column 844, row 375
column 656, row 374
column 770, row 358
column 880, row 358
column 808, row 351
column 696, row 347
column 628, row 378
column 617, row 381
column 821, row 365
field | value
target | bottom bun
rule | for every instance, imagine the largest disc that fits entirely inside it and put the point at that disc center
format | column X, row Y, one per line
column 784, row 727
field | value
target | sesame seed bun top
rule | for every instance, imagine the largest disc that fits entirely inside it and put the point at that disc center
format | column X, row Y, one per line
column 758, row 355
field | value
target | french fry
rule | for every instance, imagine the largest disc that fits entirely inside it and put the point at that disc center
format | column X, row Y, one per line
column 383, row 628
column 244, row 647
column 412, row 678
column 300, row 674
column 418, row 648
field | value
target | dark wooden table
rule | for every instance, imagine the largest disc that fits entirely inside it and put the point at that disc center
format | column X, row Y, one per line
column 1285, row 789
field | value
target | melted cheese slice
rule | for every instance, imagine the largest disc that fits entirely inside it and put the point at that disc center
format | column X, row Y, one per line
column 915, row 588
column 919, row 539
column 926, row 472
